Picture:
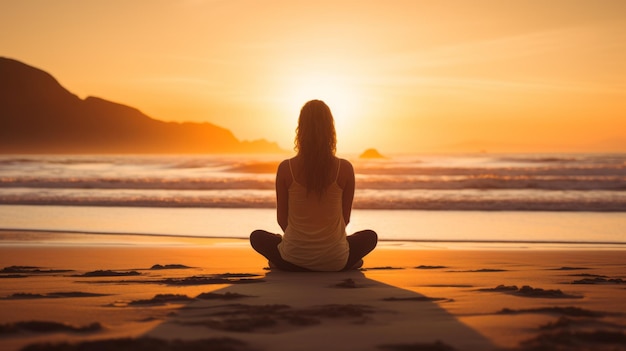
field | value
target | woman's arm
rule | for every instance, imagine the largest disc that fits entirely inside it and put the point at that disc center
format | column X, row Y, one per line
column 283, row 177
column 347, row 183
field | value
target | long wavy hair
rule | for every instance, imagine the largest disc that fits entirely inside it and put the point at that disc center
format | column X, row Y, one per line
column 316, row 144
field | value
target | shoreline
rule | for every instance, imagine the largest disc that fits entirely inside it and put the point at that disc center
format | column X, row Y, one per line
column 25, row 237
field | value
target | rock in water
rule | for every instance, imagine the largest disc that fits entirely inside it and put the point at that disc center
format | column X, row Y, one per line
column 371, row 153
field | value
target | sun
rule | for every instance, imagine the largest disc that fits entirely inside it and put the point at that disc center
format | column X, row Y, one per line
column 340, row 94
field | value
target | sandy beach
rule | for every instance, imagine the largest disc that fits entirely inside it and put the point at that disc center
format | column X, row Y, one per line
column 69, row 291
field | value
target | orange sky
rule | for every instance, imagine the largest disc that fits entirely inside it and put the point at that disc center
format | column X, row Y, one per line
column 401, row 76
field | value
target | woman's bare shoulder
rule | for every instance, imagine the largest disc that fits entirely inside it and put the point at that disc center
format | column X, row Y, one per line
column 346, row 172
column 283, row 167
column 345, row 164
column 283, row 174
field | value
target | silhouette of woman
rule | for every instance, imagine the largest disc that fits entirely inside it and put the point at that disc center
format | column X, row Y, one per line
column 314, row 194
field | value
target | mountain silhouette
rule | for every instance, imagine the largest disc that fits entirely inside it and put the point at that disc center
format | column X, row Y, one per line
column 38, row 115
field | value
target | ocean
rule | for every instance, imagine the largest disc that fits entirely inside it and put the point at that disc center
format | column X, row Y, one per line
column 476, row 197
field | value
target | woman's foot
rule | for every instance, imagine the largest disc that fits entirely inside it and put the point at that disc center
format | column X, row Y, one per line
column 357, row 265
column 271, row 265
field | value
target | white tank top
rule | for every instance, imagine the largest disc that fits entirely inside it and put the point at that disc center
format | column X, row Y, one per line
column 315, row 237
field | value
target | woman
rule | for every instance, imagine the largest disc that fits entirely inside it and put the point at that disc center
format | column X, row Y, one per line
column 314, row 193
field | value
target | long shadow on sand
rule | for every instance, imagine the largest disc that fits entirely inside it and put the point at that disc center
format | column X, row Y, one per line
column 317, row 311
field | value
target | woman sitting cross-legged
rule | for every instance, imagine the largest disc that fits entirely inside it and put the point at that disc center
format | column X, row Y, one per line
column 314, row 194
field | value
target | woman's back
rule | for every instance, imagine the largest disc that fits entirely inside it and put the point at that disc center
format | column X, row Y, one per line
column 315, row 236
column 314, row 194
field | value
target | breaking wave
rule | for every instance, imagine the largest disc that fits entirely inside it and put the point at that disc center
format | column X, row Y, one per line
column 510, row 182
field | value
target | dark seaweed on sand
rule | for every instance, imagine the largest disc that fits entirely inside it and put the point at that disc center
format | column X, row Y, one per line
column 528, row 291
column 501, row 288
column 435, row 346
column 145, row 344
column 225, row 296
column 337, row 311
column 196, row 280
column 46, row 327
column 108, row 273
column 568, row 323
column 564, row 311
column 562, row 322
column 346, row 284
column 489, row 270
column 12, row 269
column 239, row 308
column 187, row 281
column 242, row 318
column 430, row 267
column 169, row 266
column 577, row 340
column 54, row 295
column 31, row 270
column 161, row 299
column 588, row 275
column 12, row 276
column 599, row 280
column 569, row 268
column 415, row 298
column 237, row 275
column 385, row 268
column 249, row 318
column 482, row 270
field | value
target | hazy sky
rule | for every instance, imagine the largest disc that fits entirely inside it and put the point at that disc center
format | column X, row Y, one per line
column 401, row 76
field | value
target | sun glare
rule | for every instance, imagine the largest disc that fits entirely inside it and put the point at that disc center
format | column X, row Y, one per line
column 337, row 92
